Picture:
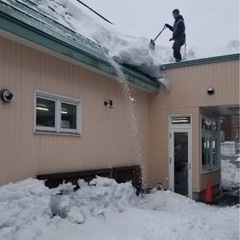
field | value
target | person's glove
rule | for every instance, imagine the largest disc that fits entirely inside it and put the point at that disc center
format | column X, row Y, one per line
column 167, row 25
column 170, row 39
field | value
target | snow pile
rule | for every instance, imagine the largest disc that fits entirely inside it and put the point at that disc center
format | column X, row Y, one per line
column 29, row 204
column 230, row 175
column 23, row 208
column 92, row 199
column 105, row 210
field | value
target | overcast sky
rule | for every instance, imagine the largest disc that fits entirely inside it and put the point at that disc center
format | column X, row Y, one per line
column 209, row 23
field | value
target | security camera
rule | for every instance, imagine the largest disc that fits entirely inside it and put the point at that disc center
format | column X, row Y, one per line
column 6, row 95
column 211, row 91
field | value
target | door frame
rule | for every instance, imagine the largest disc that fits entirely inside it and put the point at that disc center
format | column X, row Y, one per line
column 179, row 128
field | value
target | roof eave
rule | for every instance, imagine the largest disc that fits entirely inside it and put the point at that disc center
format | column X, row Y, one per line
column 202, row 61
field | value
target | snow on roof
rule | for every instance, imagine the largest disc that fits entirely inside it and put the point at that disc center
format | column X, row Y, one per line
column 65, row 28
column 72, row 22
column 36, row 14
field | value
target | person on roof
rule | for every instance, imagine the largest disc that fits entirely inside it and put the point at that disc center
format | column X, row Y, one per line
column 178, row 35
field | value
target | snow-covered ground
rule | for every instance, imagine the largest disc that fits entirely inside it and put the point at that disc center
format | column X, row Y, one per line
column 230, row 175
column 106, row 210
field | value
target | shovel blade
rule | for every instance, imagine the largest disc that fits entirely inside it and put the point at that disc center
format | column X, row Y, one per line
column 152, row 45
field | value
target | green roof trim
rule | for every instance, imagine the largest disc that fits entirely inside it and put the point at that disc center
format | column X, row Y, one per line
column 26, row 22
column 202, row 61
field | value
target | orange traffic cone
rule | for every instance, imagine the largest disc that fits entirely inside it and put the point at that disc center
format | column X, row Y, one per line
column 208, row 195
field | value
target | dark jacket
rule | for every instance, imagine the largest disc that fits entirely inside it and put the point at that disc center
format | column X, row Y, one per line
column 178, row 28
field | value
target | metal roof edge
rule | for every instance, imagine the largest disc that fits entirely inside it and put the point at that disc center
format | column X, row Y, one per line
column 43, row 39
column 217, row 59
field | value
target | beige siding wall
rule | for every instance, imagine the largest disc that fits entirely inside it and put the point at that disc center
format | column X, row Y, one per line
column 106, row 140
column 190, row 84
column 188, row 92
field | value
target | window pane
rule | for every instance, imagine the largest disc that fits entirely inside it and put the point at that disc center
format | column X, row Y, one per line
column 214, row 151
column 45, row 112
column 181, row 120
column 204, row 157
column 214, row 126
column 205, row 151
column 68, row 116
column 206, row 124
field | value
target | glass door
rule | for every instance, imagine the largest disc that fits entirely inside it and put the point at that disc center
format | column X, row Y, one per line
column 180, row 155
column 180, row 149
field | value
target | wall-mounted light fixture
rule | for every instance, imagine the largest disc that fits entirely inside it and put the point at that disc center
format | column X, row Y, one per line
column 109, row 103
column 6, row 95
column 211, row 91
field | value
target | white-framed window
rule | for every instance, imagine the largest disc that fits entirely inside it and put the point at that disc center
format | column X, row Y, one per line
column 210, row 143
column 57, row 114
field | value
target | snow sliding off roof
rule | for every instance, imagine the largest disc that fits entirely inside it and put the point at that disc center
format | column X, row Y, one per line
column 51, row 24
column 68, row 28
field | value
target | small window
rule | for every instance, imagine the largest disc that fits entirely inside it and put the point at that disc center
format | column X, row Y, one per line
column 181, row 120
column 58, row 114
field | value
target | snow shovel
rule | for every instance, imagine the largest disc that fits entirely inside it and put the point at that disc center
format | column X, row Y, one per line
column 152, row 42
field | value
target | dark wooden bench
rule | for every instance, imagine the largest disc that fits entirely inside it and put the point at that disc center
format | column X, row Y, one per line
column 120, row 174
column 129, row 173
column 55, row 179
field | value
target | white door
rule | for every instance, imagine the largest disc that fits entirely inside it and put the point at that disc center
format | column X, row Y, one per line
column 180, row 157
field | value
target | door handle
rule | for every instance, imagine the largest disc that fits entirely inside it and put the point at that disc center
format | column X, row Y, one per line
column 189, row 166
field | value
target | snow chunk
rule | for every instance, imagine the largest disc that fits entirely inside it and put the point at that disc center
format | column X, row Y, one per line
column 60, row 205
column 75, row 215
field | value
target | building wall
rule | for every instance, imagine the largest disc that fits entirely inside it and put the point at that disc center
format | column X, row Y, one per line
column 106, row 140
column 188, row 93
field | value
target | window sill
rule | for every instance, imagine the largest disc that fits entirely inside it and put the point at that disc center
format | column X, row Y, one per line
column 38, row 132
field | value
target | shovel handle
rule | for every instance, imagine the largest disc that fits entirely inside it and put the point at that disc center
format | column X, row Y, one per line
column 159, row 33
